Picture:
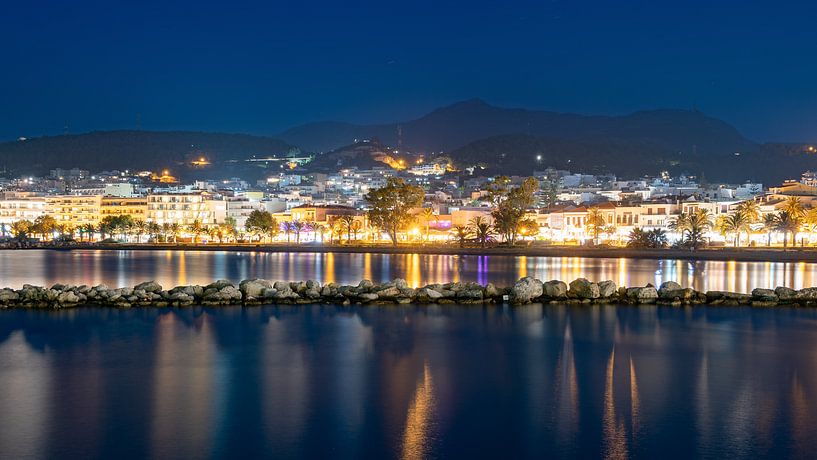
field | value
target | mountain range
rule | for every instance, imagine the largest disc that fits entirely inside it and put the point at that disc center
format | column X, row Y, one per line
column 472, row 133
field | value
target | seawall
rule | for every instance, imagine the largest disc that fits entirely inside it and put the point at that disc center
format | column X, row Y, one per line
column 258, row 291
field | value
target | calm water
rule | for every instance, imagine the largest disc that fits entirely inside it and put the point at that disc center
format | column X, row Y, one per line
column 171, row 268
column 409, row 382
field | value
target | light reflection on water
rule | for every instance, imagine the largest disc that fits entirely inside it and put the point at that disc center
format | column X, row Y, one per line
column 171, row 268
column 410, row 382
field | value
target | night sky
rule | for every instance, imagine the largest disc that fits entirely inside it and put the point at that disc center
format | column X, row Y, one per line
column 260, row 67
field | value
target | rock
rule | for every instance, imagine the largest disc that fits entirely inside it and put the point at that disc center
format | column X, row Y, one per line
column 526, row 289
column 763, row 295
column 8, row 295
column 646, row 294
column 806, row 294
column 470, row 294
column 67, row 297
column 491, row 291
column 607, row 289
column 428, row 295
column 400, row 283
column 555, row 289
column 668, row 286
column 784, row 293
column 584, row 289
column 219, row 285
column 149, row 286
column 254, row 288
column 365, row 284
column 388, row 293
column 367, row 297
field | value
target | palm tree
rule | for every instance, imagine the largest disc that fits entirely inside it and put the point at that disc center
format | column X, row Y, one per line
column 287, row 227
column 461, row 233
column 21, row 229
column 769, row 225
column 87, row 230
column 346, row 223
column 175, row 230
column 735, row 223
column 794, row 206
column 750, row 209
column 298, row 227
column 595, row 222
column 788, row 223
column 810, row 220
column 153, row 231
column 196, row 228
column 481, row 229
column 427, row 215
column 139, row 228
column 357, row 226
column 692, row 227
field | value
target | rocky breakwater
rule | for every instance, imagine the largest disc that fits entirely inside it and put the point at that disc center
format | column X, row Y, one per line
column 260, row 291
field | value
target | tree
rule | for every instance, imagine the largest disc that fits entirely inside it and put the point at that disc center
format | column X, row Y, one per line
column 595, row 222
column 770, row 226
column 139, row 228
column 794, row 206
column 299, row 226
column 461, row 234
column 550, row 193
column 154, row 230
column 346, row 222
column 787, row 223
column 750, row 210
column 391, row 206
column 22, row 229
column 652, row 239
column 510, row 208
column 197, row 229
column 528, row 227
column 427, row 215
column 481, row 229
column 86, row 230
column 44, row 226
column 735, row 223
column 260, row 223
column 692, row 227
column 175, row 230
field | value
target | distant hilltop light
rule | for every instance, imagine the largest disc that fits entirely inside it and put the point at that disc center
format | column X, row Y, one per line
column 22, row 138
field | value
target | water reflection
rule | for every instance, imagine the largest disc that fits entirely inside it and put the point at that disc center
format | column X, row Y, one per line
column 171, row 268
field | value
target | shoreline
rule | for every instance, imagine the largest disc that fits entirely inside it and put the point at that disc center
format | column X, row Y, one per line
column 719, row 254
column 256, row 291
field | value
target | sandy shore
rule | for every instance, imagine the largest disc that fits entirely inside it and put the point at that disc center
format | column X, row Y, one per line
column 740, row 254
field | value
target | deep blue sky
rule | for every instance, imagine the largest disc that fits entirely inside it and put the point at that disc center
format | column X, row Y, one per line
column 260, row 67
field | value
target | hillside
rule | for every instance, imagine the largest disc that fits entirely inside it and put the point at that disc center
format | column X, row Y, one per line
column 147, row 150
column 459, row 124
column 521, row 153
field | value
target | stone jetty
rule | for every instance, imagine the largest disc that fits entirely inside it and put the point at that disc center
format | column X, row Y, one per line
column 259, row 291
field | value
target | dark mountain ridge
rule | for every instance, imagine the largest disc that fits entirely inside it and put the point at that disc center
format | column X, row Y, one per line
column 134, row 150
column 456, row 125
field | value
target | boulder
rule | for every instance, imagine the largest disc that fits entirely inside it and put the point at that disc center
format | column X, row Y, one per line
column 607, row 289
column 763, row 295
column 784, row 293
column 149, row 286
column 555, row 289
column 526, row 289
column 668, row 290
column 806, row 294
column 219, row 285
column 584, row 289
column 646, row 294
column 367, row 297
column 254, row 288
column 428, row 295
